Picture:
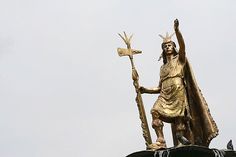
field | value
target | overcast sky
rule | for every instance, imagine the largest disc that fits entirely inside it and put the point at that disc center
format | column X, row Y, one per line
column 64, row 91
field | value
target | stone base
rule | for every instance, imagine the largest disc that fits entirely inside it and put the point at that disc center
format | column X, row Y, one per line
column 185, row 151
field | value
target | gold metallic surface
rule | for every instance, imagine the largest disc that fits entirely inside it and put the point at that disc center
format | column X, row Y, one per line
column 180, row 101
column 172, row 101
column 127, row 52
column 142, row 115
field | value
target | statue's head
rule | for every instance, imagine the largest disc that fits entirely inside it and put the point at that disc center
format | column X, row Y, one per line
column 168, row 47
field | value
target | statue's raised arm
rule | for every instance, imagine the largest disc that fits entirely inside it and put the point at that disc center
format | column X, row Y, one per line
column 180, row 41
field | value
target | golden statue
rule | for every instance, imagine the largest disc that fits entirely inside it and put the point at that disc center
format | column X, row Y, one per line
column 180, row 101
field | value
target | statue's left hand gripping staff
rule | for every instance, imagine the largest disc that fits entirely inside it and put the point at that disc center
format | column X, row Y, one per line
column 130, row 52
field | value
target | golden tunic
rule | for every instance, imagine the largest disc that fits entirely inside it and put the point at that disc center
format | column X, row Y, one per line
column 172, row 101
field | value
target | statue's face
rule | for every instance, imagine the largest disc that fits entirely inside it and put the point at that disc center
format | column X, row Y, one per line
column 168, row 48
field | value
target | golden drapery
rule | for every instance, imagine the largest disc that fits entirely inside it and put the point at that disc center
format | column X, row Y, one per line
column 172, row 101
column 202, row 127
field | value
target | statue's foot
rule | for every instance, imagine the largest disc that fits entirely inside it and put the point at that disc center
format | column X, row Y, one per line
column 182, row 140
column 180, row 145
column 160, row 144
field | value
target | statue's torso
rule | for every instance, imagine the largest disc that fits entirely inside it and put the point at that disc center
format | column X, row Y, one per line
column 172, row 101
column 172, row 73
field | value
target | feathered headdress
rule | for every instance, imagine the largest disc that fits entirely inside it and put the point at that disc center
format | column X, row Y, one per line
column 166, row 39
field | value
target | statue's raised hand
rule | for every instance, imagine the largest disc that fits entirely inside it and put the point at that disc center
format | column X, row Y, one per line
column 176, row 24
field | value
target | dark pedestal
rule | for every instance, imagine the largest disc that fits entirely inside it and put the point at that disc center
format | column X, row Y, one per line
column 185, row 151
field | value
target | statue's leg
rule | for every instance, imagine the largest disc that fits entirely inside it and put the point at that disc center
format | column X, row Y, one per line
column 180, row 130
column 180, row 127
column 157, row 125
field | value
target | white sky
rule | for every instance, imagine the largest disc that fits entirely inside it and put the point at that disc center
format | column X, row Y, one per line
column 64, row 91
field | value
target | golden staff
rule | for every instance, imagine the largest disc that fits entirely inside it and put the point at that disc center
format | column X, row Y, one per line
column 130, row 52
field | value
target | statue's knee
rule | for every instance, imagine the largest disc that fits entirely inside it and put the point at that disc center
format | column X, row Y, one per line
column 157, row 123
column 180, row 126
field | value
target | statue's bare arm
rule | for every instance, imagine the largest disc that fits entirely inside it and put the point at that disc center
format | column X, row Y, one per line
column 154, row 90
column 180, row 41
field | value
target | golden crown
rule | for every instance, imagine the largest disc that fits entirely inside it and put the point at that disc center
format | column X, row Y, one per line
column 167, row 38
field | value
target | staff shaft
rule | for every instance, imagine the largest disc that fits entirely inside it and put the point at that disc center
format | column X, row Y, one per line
column 130, row 52
column 142, row 113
